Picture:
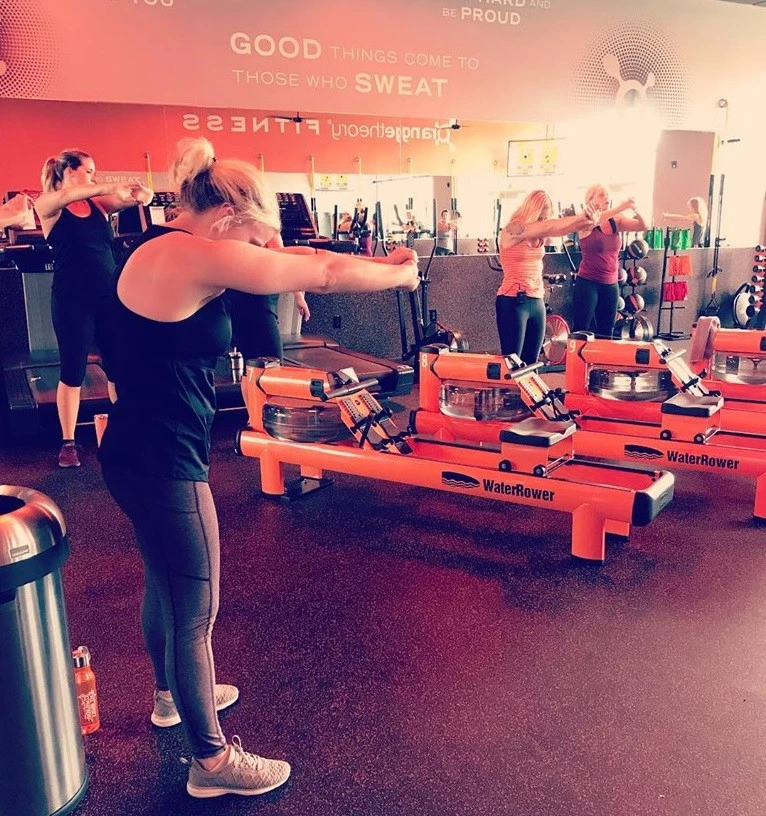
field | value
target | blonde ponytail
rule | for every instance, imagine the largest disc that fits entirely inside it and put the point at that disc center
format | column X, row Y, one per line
column 53, row 170
column 203, row 182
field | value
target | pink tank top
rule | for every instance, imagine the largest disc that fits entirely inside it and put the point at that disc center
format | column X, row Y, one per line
column 600, row 256
column 522, row 270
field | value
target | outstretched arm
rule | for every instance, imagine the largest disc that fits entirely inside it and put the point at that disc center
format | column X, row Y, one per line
column 227, row 264
column 49, row 205
column 691, row 216
column 514, row 231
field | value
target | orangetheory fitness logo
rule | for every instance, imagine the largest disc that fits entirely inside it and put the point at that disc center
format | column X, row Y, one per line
column 28, row 51
column 633, row 62
column 437, row 134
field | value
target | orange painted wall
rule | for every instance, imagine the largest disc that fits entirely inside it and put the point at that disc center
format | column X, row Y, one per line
column 118, row 136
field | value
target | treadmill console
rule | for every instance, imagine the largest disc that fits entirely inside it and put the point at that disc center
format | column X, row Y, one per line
column 298, row 228
column 136, row 220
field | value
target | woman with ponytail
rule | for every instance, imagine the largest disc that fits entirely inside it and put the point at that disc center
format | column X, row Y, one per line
column 596, row 289
column 74, row 211
column 696, row 217
column 173, row 323
column 520, row 304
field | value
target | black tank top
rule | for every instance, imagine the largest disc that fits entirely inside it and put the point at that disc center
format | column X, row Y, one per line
column 160, row 424
column 83, row 263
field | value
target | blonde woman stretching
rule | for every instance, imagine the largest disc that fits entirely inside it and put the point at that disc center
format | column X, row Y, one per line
column 697, row 216
column 520, row 305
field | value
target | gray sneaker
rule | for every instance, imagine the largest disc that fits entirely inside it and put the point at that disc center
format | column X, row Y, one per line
column 166, row 714
column 241, row 773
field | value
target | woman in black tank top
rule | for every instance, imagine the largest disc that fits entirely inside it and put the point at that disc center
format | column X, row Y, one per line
column 74, row 213
column 173, row 323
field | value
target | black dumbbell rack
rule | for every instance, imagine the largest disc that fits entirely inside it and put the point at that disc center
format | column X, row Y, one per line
column 672, row 305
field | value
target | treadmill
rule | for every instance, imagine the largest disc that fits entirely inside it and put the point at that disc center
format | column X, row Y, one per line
column 324, row 353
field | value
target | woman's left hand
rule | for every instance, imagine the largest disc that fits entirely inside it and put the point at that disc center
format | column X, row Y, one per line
column 302, row 306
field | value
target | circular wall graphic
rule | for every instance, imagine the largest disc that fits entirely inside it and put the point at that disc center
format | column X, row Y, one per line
column 28, row 51
column 633, row 61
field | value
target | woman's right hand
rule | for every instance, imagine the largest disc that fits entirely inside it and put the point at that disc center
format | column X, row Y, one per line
column 408, row 259
column 124, row 192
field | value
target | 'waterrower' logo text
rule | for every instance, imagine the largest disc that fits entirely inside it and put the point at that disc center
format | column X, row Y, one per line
column 702, row 459
column 520, row 490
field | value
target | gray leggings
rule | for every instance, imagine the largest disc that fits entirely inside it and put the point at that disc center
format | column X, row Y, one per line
column 177, row 533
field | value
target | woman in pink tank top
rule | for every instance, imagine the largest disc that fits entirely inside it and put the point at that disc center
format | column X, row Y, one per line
column 519, row 305
column 596, row 289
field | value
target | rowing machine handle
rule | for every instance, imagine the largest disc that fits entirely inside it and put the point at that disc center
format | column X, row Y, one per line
column 348, row 390
column 518, row 371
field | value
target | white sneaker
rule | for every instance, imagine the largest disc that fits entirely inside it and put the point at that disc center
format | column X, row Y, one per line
column 241, row 773
column 166, row 714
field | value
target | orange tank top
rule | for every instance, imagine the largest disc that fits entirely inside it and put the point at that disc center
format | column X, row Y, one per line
column 522, row 270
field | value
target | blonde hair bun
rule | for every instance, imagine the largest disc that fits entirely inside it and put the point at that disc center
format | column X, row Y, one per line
column 193, row 156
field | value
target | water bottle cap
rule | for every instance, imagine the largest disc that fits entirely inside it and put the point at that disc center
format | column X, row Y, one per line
column 81, row 657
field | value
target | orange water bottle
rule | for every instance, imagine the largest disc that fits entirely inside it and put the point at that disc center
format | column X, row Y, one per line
column 85, row 688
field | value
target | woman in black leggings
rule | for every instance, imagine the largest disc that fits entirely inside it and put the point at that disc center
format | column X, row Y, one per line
column 596, row 288
column 74, row 212
column 173, row 324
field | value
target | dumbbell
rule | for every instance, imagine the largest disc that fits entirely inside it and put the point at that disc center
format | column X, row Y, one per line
column 637, row 276
column 555, row 280
column 622, row 276
column 634, row 303
column 760, row 248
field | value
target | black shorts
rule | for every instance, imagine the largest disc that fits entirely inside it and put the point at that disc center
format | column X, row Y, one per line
column 77, row 322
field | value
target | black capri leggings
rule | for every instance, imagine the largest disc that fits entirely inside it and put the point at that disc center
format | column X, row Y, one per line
column 76, row 323
column 521, row 326
column 177, row 533
column 595, row 306
column 254, row 324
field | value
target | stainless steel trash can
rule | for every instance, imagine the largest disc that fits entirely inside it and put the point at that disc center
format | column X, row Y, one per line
column 42, row 761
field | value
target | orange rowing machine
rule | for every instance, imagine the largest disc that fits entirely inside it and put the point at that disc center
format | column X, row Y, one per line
column 630, row 381
column 734, row 363
column 475, row 397
column 330, row 422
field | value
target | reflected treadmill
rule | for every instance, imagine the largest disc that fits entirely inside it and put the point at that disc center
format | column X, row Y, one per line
column 323, row 353
column 30, row 358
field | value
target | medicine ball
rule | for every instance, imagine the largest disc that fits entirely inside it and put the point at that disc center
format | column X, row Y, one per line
column 620, row 303
column 622, row 276
column 637, row 249
column 637, row 276
column 634, row 303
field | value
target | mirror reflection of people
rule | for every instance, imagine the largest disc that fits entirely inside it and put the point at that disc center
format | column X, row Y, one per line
column 519, row 305
column 74, row 213
column 344, row 222
column 412, row 228
column 695, row 219
column 173, row 325
column 596, row 289
column 446, row 227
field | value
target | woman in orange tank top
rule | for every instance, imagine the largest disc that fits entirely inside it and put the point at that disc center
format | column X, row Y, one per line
column 519, row 304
